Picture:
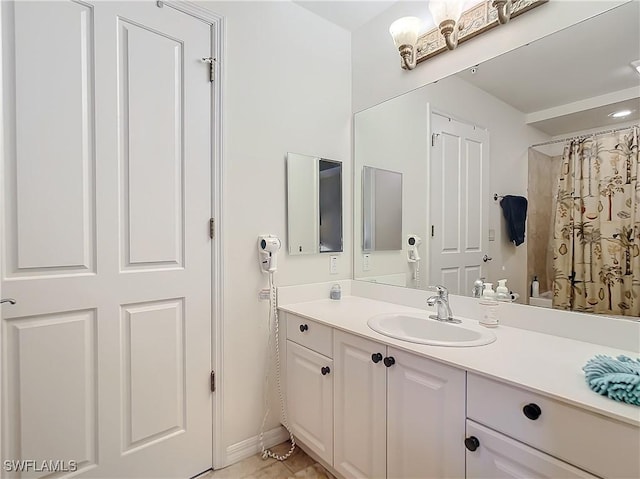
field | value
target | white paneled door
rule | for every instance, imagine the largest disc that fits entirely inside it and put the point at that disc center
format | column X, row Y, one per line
column 107, row 195
column 459, row 203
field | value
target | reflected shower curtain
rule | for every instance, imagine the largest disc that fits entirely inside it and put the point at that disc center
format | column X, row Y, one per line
column 596, row 240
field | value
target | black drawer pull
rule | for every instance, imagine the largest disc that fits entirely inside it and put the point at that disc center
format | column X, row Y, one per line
column 325, row 370
column 389, row 361
column 472, row 443
column 532, row 411
column 376, row 357
column 303, row 328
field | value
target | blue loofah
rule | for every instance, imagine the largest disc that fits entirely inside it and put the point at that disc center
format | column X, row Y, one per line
column 618, row 378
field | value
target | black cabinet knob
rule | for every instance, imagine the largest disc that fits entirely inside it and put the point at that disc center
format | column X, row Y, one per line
column 472, row 443
column 532, row 411
column 376, row 357
column 325, row 370
column 389, row 361
column 303, row 328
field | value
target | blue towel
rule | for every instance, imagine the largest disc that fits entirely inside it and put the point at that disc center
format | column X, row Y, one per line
column 618, row 379
column 514, row 209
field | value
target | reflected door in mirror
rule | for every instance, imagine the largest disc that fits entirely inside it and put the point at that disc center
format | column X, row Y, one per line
column 314, row 204
column 459, row 203
column 382, row 209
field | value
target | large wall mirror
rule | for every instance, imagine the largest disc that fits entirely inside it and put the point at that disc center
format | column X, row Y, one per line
column 314, row 204
column 500, row 129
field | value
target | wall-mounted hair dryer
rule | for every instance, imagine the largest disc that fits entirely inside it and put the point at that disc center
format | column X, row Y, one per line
column 413, row 257
column 268, row 247
column 412, row 251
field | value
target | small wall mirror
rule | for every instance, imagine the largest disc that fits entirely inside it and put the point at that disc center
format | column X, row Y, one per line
column 314, row 204
column 382, row 209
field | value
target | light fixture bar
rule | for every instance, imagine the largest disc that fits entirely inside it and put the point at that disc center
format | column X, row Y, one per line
column 474, row 21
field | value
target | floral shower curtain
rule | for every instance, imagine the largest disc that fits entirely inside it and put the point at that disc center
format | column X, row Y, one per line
column 596, row 240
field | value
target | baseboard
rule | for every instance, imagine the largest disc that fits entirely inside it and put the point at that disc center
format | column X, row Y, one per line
column 247, row 448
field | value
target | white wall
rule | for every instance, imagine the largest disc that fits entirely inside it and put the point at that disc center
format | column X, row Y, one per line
column 287, row 77
column 377, row 75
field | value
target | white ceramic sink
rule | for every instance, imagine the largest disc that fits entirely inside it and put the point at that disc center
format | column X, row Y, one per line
column 423, row 330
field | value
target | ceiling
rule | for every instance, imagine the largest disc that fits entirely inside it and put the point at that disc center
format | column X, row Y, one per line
column 349, row 14
column 571, row 80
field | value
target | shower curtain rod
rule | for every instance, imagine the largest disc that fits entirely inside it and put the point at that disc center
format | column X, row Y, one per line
column 579, row 137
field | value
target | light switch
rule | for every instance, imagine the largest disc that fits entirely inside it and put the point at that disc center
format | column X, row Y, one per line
column 492, row 235
column 333, row 265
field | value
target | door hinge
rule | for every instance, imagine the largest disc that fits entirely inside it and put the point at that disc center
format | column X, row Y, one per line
column 212, row 228
column 213, row 381
column 434, row 137
column 433, row 231
column 211, row 61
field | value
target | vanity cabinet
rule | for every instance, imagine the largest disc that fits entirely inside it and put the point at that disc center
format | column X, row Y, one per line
column 309, row 385
column 397, row 415
column 542, row 427
column 373, row 411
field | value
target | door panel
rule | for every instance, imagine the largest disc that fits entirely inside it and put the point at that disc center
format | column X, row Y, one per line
column 150, row 141
column 53, row 390
column 44, row 189
column 107, row 355
column 153, row 405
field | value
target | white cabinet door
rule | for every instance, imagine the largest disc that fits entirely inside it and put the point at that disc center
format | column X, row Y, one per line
column 360, row 407
column 425, row 418
column 496, row 456
column 310, row 399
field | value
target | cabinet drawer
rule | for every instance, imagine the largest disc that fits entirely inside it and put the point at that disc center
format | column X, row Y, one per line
column 497, row 456
column 600, row 445
column 310, row 334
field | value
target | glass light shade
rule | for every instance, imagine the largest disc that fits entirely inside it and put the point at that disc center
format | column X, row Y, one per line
column 404, row 31
column 442, row 10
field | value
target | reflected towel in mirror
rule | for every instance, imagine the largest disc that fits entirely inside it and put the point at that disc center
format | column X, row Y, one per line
column 514, row 209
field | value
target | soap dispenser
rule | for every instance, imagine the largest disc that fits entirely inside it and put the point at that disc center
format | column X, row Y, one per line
column 488, row 292
column 502, row 292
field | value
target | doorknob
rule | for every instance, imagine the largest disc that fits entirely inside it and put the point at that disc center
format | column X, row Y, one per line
column 8, row 300
column 486, row 258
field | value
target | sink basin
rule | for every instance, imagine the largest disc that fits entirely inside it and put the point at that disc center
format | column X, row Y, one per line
column 423, row 330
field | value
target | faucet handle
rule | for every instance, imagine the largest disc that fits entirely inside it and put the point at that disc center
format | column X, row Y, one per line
column 441, row 290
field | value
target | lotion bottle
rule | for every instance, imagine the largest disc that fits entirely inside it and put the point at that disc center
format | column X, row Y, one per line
column 535, row 287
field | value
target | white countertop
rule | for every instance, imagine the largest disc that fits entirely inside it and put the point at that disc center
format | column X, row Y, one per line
column 542, row 363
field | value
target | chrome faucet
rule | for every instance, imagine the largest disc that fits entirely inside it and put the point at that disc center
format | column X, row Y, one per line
column 441, row 300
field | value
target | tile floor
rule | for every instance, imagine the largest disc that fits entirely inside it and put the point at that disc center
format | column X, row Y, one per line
column 299, row 465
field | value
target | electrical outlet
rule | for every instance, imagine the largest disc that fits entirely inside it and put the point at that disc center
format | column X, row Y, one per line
column 264, row 294
column 333, row 265
column 366, row 262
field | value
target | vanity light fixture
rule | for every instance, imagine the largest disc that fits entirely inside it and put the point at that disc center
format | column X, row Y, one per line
column 404, row 32
column 454, row 26
column 446, row 14
column 504, row 10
